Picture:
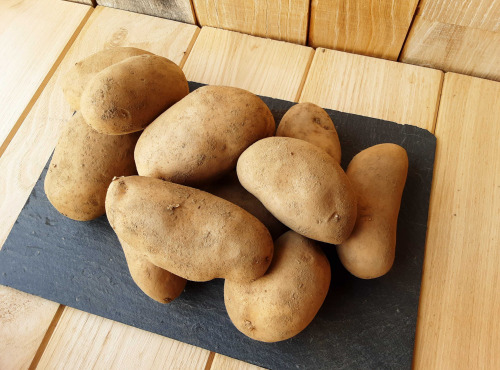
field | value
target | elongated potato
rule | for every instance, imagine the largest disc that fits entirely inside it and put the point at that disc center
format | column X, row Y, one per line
column 127, row 96
column 309, row 122
column 302, row 186
column 188, row 232
column 157, row 283
column 82, row 167
column 378, row 175
column 230, row 189
column 81, row 73
column 200, row 138
column 286, row 299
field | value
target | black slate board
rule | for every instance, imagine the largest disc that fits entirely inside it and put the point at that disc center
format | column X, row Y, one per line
column 363, row 324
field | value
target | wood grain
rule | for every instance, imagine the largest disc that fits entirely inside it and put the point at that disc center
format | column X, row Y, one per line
column 227, row 363
column 177, row 10
column 28, row 57
column 369, row 27
column 459, row 315
column 374, row 87
column 461, row 37
column 82, row 340
column 262, row 66
column 88, row 2
column 29, row 150
column 284, row 20
column 265, row 67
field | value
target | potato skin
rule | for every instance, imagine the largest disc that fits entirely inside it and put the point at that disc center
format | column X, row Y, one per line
column 230, row 189
column 201, row 137
column 82, row 167
column 127, row 96
column 302, row 186
column 310, row 122
column 81, row 73
column 188, row 232
column 155, row 282
column 286, row 299
column 378, row 175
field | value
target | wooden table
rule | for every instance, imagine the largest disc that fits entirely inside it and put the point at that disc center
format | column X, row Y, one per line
column 459, row 314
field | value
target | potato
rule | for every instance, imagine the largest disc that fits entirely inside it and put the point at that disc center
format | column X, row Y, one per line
column 157, row 283
column 286, row 299
column 378, row 176
column 230, row 189
column 309, row 122
column 302, row 186
column 82, row 167
column 127, row 96
column 188, row 232
column 81, row 73
column 200, row 138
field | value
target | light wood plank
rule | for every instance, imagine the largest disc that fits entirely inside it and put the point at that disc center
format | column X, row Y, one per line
column 454, row 48
column 459, row 314
column 26, row 155
column 374, row 88
column 227, row 363
column 284, row 20
column 177, row 10
column 369, row 27
column 82, row 340
column 481, row 14
column 262, row 66
column 26, row 67
column 265, row 67
column 24, row 319
column 27, row 57
column 88, row 2
column 461, row 37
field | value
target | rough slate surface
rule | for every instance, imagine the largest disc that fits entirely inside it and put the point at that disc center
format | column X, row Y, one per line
column 363, row 324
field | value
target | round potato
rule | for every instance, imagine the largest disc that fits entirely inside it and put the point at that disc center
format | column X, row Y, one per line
column 81, row 73
column 200, row 138
column 155, row 282
column 378, row 176
column 309, row 122
column 188, row 232
column 230, row 189
column 82, row 167
column 302, row 186
column 286, row 299
column 127, row 96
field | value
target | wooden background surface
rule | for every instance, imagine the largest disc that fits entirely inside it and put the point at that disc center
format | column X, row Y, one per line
column 460, row 36
column 459, row 313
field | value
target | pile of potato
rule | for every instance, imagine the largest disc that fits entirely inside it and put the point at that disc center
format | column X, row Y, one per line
column 188, row 215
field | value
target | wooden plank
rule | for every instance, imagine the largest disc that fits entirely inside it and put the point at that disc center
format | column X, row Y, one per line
column 284, row 20
column 88, row 2
column 374, row 88
column 177, row 10
column 28, row 57
column 262, row 66
column 376, row 27
column 481, row 14
column 453, row 48
column 24, row 318
column 461, row 37
column 227, row 363
column 84, row 340
column 29, row 150
column 459, row 315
